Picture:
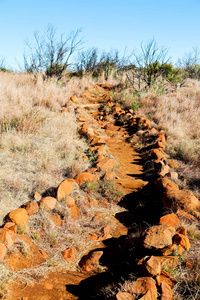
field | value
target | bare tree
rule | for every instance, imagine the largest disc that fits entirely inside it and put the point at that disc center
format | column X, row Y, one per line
column 50, row 54
column 87, row 61
column 147, row 65
column 190, row 63
column 2, row 63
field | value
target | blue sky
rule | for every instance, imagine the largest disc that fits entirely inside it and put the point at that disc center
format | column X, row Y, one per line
column 105, row 24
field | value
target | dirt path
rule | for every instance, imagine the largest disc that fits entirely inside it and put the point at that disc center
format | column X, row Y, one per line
column 129, row 179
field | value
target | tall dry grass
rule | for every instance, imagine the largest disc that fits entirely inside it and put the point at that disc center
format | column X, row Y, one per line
column 178, row 114
column 37, row 143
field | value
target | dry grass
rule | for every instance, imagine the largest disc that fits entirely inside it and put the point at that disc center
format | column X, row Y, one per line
column 38, row 143
column 178, row 114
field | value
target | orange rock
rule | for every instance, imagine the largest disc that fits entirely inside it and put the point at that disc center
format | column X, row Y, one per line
column 73, row 183
column 190, row 265
column 166, row 277
column 19, row 216
column 158, row 237
column 82, row 119
column 93, row 236
column 18, row 260
column 84, row 177
column 173, row 165
column 109, row 176
column 166, row 292
column 143, row 285
column 168, row 261
column 124, row 296
column 185, row 216
column 106, row 237
column 105, row 229
column 11, row 226
column 48, row 203
column 90, row 262
column 44, row 254
column 182, row 240
column 180, row 199
column 73, row 208
column 173, row 176
column 165, row 184
column 48, row 286
column 148, row 296
column 56, row 219
column 94, row 202
column 37, row 196
column 106, row 164
column 151, row 266
column 69, row 254
column 31, row 207
column 100, row 157
column 7, row 237
column 170, row 219
column 157, row 153
column 74, row 99
column 64, row 190
column 101, row 150
column 3, row 251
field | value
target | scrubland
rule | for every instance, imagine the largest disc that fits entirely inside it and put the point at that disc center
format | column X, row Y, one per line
column 38, row 144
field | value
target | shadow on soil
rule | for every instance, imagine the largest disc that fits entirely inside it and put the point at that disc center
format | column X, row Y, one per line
column 122, row 254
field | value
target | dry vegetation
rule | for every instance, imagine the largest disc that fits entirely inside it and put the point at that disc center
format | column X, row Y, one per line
column 38, row 143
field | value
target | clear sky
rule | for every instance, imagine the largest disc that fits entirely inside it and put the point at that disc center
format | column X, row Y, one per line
column 105, row 24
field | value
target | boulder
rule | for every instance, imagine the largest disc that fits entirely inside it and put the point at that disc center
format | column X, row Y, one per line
column 166, row 277
column 107, row 164
column 109, row 176
column 73, row 208
column 148, row 296
column 124, row 296
column 64, row 190
column 180, row 199
column 69, row 254
column 158, row 237
column 170, row 220
column 151, row 266
column 143, row 285
column 37, row 196
column 90, row 262
column 93, row 236
column 165, row 184
column 166, row 291
column 85, row 177
column 182, row 240
column 11, row 226
column 3, row 251
column 19, row 216
column 31, row 207
column 7, row 237
column 48, row 203
column 56, row 219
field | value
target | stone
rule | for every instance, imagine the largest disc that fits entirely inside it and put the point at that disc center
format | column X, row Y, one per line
column 168, row 261
column 48, row 203
column 106, row 237
column 151, row 266
column 124, row 296
column 143, row 285
column 173, row 165
column 109, row 176
column 170, row 220
column 173, row 176
column 7, row 237
column 100, row 158
column 64, row 190
column 56, row 219
column 165, row 184
column 85, row 177
column 157, row 154
column 180, row 199
column 166, row 277
column 93, row 236
column 37, row 196
column 158, row 237
column 31, row 207
column 166, row 291
column 182, row 240
column 3, row 251
column 73, row 208
column 94, row 202
column 44, row 254
column 186, row 216
column 73, row 183
column 90, row 262
column 148, row 296
column 69, row 254
column 19, row 216
column 11, row 226
column 105, row 229
column 107, row 164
